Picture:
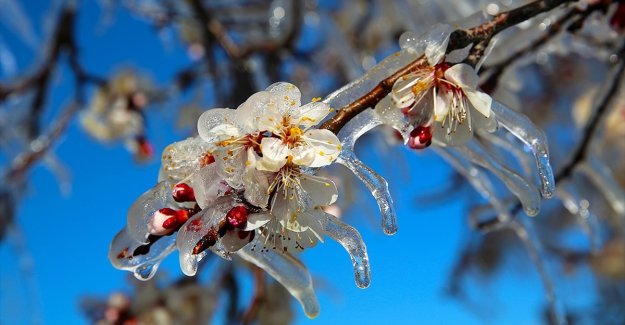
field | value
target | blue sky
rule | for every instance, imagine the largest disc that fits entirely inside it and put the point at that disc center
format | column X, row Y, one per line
column 67, row 236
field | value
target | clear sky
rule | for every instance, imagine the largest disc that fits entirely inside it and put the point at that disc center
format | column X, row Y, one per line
column 67, row 236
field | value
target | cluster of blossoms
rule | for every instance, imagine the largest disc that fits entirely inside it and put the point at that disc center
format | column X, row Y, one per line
column 246, row 186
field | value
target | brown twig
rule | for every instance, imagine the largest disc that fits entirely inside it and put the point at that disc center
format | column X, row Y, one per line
column 257, row 299
column 593, row 124
column 496, row 70
column 458, row 39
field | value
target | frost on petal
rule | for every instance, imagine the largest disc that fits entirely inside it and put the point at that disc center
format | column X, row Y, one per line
column 287, row 270
column 275, row 154
column 183, row 158
column 480, row 101
column 310, row 114
column 462, row 75
column 324, row 144
column 287, row 95
column 143, row 259
column 204, row 226
column 217, row 124
column 351, row 240
column 522, row 128
column 143, row 209
column 208, row 186
column 378, row 187
column 322, row 191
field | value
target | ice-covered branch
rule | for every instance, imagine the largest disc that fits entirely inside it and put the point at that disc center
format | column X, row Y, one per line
column 457, row 40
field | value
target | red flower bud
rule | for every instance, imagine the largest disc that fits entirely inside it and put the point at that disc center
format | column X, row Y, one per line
column 237, row 217
column 183, row 193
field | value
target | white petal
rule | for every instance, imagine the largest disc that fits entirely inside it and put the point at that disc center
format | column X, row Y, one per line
column 458, row 137
column 181, row 159
column 255, row 182
column 480, row 101
column 265, row 113
column 310, row 114
column 257, row 220
column 325, row 144
column 287, row 95
column 321, row 190
column 462, row 75
column 275, row 154
column 303, row 155
column 441, row 105
column 210, row 125
column 232, row 240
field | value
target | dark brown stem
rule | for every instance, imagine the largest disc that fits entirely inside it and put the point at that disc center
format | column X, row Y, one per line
column 591, row 127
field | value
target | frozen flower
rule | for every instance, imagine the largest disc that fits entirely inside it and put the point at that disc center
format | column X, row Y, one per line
column 273, row 123
column 445, row 98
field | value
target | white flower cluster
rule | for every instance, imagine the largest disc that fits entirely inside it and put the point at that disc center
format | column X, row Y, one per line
column 246, row 186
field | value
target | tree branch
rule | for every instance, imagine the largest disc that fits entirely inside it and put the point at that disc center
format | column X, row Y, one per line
column 458, row 39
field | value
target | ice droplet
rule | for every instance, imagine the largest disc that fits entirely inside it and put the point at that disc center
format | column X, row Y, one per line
column 375, row 183
column 578, row 206
column 524, row 191
column 601, row 176
column 351, row 240
column 521, row 127
column 146, row 271
column 285, row 269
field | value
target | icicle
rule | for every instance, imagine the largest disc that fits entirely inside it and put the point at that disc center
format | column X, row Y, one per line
column 521, row 126
column 287, row 270
column 124, row 256
column 351, row 240
column 478, row 180
column 525, row 231
column 378, row 186
column 578, row 206
column 509, row 145
column 601, row 176
column 525, row 192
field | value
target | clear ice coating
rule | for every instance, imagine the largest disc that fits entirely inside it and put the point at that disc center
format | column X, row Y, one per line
column 375, row 183
column 125, row 253
column 508, row 144
column 192, row 232
column 579, row 207
column 525, row 231
column 285, row 269
column 602, row 178
column 181, row 159
column 351, row 240
column 524, row 191
column 521, row 127
column 478, row 180
column 144, row 207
